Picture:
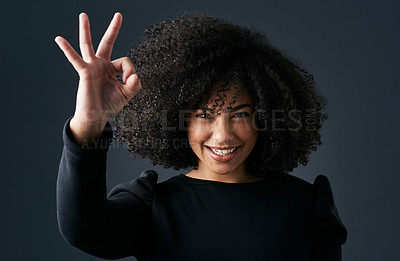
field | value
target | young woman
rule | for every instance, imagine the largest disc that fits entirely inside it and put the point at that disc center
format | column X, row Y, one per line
column 204, row 94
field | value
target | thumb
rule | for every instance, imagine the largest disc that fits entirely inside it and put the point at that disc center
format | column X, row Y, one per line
column 132, row 86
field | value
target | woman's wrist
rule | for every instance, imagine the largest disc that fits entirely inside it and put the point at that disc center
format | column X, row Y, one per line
column 86, row 132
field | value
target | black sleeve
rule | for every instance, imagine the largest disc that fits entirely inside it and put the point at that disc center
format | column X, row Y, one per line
column 111, row 228
column 330, row 233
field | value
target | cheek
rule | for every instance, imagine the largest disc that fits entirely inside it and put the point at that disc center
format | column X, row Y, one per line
column 197, row 131
column 247, row 132
column 194, row 137
column 250, row 139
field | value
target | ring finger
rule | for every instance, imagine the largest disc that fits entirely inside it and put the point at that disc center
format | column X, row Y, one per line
column 85, row 39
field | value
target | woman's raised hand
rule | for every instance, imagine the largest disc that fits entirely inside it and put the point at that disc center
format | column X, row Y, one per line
column 100, row 95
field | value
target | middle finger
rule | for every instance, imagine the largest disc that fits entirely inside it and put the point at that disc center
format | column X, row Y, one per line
column 107, row 42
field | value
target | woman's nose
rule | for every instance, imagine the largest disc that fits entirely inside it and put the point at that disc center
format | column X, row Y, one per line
column 222, row 130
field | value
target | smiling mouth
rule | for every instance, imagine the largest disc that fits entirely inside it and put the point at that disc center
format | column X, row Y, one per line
column 222, row 152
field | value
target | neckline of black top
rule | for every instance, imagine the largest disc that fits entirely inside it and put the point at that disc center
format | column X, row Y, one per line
column 191, row 180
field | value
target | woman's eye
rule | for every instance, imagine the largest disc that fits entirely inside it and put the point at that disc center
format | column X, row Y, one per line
column 241, row 114
column 203, row 116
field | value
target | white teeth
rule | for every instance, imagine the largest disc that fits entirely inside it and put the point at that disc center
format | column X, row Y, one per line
column 222, row 152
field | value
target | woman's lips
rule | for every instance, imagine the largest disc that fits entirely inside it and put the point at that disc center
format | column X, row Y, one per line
column 227, row 153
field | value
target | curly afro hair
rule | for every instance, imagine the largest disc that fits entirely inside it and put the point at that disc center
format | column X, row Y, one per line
column 181, row 60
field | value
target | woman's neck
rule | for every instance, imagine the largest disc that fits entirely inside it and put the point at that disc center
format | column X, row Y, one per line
column 239, row 176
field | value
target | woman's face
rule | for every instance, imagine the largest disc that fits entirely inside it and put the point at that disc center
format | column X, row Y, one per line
column 222, row 143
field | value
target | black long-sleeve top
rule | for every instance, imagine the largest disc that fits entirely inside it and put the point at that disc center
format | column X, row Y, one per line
column 280, row 217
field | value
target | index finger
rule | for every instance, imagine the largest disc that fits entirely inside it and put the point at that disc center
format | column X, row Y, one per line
column 107, row 42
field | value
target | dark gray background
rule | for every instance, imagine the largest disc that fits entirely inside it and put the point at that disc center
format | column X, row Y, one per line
column 351, row 47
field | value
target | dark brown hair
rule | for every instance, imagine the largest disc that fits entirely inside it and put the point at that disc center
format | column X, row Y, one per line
column 179, row 62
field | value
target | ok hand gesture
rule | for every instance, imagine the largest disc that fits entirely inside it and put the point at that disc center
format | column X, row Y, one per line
column 100, row 95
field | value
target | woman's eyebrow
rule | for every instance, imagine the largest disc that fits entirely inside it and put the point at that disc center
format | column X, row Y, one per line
column 230, row 110
column 240, row 107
